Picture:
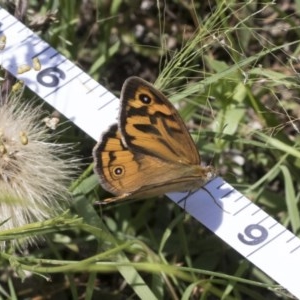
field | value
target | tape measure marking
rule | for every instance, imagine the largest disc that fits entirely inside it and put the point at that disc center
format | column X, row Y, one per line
column 234, row 218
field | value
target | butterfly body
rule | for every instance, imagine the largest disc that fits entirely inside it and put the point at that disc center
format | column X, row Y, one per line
column 150, row 151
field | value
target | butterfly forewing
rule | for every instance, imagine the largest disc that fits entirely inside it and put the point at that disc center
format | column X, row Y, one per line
column 150, row 124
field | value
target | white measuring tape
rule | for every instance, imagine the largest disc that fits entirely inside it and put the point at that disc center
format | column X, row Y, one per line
column 235, row 219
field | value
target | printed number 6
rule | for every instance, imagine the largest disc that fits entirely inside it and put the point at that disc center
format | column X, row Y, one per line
column 252, row 238
column 53, row 75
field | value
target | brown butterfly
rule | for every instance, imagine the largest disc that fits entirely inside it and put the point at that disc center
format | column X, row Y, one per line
column 150, row 151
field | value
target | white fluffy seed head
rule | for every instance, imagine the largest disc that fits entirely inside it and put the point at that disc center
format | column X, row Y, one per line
column 34, row 176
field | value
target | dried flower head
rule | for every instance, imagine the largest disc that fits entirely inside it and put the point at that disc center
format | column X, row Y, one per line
column 33, row 175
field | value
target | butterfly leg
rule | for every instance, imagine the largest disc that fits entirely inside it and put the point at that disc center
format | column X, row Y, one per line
column 207, row 191
column 216, row 202
column 124, row 196
column 185, row 198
